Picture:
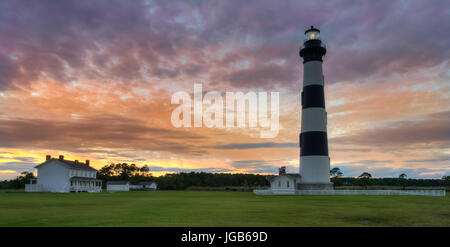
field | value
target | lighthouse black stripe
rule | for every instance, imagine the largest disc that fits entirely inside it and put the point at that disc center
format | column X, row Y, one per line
column 313, row 50
column 313, row 96
column 313, row 143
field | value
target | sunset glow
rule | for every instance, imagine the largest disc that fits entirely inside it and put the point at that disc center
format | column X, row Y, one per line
column 96, row 83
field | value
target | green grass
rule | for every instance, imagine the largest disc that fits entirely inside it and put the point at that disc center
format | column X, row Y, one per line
column 198, row 208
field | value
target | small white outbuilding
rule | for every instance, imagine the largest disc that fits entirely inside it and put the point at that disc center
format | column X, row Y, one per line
column 118, row 186
column 284, row 183
column 144, row 186
column 148, row 185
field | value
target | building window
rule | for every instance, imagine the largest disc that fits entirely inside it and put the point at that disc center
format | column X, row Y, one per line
column 287, row 184
column 279, row 183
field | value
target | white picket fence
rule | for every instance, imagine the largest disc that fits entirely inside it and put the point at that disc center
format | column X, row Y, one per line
column 354, row 192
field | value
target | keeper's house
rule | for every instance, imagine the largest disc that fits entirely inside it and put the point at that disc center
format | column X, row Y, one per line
column 118, row 186
column 60, row 175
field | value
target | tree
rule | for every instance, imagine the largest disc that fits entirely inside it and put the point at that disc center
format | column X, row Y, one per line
column 121, row 171
column 446, row 180
column 124, row 170
column 336, row 172
column 107, row 171
column 402, row 178
column 145, row 171
column 365, row 178
column 20, row 181
column 365, row 175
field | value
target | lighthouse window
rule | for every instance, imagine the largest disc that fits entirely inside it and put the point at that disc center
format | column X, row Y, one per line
column 312, row 35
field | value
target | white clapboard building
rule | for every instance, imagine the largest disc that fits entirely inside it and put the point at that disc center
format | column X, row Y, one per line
column 60, row 175
column 117, row 186
column 148, row 185
column 284, row 183
column 144, row 186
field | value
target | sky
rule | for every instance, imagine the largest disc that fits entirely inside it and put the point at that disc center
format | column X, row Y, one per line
column 94, row 80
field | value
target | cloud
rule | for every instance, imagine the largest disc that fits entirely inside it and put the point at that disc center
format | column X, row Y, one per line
column 439, row 159
column 386, row 171
column 256, row 145
column 22, row 159
column 261, row 76
column 366, row 162
column 8, row 70
column 186, row 170
column 110, row 131
column 17, row 166
column 382, row 37
column 432, row 130
column 262, row 166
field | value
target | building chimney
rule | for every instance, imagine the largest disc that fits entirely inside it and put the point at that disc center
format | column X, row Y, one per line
column 282, row 170
column 47, row 157
column 61, row 157
column 87, row 162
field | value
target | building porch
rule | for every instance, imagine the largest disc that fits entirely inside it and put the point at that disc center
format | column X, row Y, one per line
column 85, row 184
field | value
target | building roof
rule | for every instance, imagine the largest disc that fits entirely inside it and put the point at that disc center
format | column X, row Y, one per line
column 70, row 164
column 312, row 28
column 117, row 182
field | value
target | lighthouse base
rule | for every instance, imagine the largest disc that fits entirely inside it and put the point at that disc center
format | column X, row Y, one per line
column 315, row 186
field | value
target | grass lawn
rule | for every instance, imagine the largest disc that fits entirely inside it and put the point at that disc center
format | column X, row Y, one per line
column 197, row 208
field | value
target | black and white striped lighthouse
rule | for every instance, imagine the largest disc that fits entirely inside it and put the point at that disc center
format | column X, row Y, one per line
column 314, row 159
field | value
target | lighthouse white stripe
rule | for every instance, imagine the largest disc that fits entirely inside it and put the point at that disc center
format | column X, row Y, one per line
column 312, row 73
column 314, row 119
column 315, row 169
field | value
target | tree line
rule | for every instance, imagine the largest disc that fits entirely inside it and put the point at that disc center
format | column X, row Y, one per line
column 181, row 181
column 365, row 179
column 178, row 181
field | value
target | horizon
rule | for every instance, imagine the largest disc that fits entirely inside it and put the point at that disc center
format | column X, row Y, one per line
column 95, row 83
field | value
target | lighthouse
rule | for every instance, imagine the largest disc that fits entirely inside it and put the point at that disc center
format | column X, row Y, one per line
column 314, row 173
column 314, row 159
